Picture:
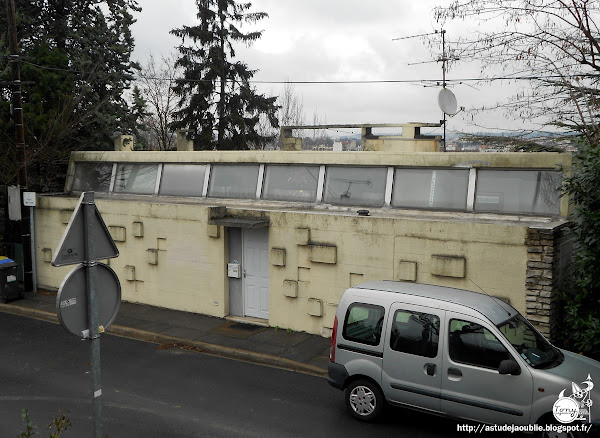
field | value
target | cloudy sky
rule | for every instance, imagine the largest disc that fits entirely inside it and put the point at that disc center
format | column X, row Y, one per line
column 350, row 40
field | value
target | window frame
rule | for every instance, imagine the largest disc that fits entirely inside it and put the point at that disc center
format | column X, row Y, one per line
column 501, row 210
column 94, row 163
column 393, row 326
column 267, row 178
column 168, row 166
column 156, row 182
column 470, row 185
column 379, row 323
column 358, row 202
column 509, row 355
column 251, row 192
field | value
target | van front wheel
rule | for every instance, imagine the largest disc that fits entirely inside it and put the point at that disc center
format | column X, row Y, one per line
column 364, row 399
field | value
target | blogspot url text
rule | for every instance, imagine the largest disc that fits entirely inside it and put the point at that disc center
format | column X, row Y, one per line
column 558, row 428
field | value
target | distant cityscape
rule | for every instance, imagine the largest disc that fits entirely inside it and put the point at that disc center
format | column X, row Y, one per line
column 494, row 143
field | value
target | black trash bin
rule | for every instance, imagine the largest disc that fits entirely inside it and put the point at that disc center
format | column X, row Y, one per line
column 9, row 286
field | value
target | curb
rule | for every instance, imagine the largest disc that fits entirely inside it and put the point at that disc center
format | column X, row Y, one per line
column 29, row 312
column 200, row 346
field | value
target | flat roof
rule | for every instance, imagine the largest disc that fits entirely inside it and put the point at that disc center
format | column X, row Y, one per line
column 504, row 160
column 493, row 308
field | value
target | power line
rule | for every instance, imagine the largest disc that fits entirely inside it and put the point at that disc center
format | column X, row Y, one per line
column 352, row 82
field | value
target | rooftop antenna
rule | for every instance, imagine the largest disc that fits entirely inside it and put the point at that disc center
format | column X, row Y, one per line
column 446, row 99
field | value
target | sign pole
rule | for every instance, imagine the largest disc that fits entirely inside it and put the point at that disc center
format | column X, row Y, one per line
column 29, row 200
column 89, row 210
column 33, row 259
column 80, row 310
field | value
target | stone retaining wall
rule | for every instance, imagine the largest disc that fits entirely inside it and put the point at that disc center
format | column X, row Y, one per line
column 548, row 254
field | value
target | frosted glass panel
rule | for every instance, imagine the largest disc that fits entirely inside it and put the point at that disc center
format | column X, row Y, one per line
column 233, row 181
column 518, row 191
column 182, row 179
column 291, row 183
column 92, row 177
column 359, row 186
column 136, row 178
column 430, row 188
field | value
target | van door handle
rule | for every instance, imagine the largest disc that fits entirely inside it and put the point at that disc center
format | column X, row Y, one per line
column 430, row 369
column 454, row 373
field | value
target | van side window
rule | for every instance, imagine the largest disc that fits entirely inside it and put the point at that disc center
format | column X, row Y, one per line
column 363, row 323
column 473, row 344
column 415, row 333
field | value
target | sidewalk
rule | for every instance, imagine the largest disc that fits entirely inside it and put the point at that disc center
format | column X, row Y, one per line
column 295, row 351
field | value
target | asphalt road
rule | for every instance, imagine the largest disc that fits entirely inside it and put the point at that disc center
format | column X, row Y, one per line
column 150, row 391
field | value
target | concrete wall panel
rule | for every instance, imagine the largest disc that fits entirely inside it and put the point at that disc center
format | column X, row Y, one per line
column 190, row 269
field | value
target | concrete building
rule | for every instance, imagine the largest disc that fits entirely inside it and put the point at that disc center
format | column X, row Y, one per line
column 275, row 237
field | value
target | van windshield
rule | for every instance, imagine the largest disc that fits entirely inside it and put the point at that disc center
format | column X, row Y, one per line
column 532, row 346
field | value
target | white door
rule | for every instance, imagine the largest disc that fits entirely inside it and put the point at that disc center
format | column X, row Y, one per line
column 256, row 272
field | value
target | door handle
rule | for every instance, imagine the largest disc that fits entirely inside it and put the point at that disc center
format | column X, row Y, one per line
column 244, row 273
column 454, row 374
column 430, row 369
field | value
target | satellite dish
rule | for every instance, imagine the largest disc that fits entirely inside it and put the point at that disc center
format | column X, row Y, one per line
column 447, row 102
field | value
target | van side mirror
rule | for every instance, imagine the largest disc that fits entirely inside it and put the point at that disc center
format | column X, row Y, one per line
column 509, row 366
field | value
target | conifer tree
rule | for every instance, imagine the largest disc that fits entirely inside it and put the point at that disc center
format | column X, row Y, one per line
column 217, row 103
column 138, row 117
column 75, row 67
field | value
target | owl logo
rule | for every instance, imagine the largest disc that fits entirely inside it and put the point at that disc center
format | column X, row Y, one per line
column 576, row 406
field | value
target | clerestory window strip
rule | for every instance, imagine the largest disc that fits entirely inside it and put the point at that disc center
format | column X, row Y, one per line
column 508, row 190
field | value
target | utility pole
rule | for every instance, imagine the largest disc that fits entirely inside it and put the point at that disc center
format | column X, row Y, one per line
column 22, row 238
column 17, row 105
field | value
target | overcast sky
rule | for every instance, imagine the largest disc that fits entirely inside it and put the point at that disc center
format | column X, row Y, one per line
column 350, row 40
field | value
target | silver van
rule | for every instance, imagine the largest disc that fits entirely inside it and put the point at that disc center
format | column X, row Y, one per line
column 457, row 353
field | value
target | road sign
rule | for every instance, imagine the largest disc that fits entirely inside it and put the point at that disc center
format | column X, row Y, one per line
column 72, row 299
column 71, row 249
column 81, row 310
column 29, row 199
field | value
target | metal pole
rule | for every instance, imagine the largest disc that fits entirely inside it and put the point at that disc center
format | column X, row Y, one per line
column 444, row 82
column 33, row 260
column 443, row 58
column 89, row 209
column 17, row 112
column 17, row 106
column 444, row 139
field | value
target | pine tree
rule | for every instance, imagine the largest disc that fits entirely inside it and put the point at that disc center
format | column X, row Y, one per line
column 137, row 118
column 76, row 66
column 217, row 104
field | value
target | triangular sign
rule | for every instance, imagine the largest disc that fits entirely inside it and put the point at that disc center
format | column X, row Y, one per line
column 71, row 249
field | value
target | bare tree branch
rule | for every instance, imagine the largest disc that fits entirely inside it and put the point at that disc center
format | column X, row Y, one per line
column 556, row 41
column 156, row 83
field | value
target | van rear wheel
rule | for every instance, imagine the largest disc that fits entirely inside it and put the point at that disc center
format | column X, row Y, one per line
column 364, row 399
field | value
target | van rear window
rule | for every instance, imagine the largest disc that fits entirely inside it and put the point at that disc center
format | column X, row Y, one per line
column 363, row 323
